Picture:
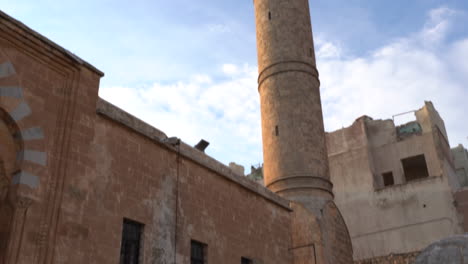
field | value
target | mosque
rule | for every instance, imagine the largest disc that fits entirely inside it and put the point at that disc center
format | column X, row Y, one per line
column 82, row 181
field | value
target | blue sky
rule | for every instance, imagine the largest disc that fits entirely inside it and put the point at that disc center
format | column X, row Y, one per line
column 189, row 67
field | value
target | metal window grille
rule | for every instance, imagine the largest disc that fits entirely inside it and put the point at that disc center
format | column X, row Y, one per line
column 246, row 261
column 197, row 253
column 130, row 247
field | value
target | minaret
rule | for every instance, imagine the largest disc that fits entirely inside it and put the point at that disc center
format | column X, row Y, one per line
column 294, row 148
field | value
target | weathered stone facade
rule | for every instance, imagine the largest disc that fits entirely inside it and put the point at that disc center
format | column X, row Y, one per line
column 449, row 250
column 460, row 155
column 396, row 185
column 294, row 148
column 74, row 168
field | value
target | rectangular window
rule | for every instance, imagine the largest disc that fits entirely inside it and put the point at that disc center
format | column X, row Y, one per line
column 388, row 179
column 246, row 261
column 198, row 253
column 130, row 247
column 415, row 168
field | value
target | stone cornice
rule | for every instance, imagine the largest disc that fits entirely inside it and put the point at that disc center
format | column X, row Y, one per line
column 27, row 33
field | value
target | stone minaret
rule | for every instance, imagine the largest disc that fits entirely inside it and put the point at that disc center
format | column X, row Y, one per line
column 294, row 147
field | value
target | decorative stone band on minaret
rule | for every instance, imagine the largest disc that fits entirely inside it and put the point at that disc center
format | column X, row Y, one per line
column 294, row 147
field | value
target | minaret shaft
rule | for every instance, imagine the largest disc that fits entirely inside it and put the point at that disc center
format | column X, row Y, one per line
column 294, row 147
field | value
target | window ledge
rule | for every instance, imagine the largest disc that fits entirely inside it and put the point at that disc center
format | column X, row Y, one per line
column 402, row 185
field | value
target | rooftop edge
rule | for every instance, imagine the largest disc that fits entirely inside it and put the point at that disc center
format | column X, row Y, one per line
column 118, row 115
column 49, row 42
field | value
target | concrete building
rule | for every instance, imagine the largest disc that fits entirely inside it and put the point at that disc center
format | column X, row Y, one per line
column 395, row 185
column 82, row 181
column 460, row 155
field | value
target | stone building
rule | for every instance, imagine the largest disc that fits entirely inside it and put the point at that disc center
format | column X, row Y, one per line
column 397, row 186
column 294, row 148
column 460, row 155
column 82, row 181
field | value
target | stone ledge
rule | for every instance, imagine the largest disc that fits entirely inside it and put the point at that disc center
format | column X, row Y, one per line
column 116, row 114
column 401, row 258
column 49, row 42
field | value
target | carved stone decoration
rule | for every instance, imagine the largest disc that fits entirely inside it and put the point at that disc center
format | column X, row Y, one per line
column 20, row 207
column 16, row 185
column 10, row 151
column 22, row 203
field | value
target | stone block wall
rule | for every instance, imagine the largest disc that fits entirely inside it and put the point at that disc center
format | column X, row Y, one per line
column 461, row 203
column 407, row 258
column 87, row 166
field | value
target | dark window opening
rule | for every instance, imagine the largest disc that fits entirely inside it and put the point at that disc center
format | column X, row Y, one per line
column 415, row 168
column 276, row 130
column 269, row 15
column 130, row 247
column 388, row 179
column 198, row 253
column 246, row 261
column 311, row 51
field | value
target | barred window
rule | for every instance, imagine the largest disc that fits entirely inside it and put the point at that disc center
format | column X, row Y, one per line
column 198, row 253
column 130, row 247
column 246, row 261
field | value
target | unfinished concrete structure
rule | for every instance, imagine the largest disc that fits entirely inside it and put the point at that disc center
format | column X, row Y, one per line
column 70, row 194
column 395, row 185
column 460, row 156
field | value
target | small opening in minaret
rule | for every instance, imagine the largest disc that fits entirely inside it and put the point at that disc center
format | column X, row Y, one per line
column 310, row 52
column 269, row 15
column 276, row 131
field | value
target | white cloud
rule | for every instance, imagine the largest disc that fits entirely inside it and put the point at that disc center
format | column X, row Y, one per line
column 394, row 78
column 399, row 77
column 201, row 79
column 327, row 49
column 458, row 55
column 230, row 69
column 226, row 112
column 219, row 28
column 438, row 25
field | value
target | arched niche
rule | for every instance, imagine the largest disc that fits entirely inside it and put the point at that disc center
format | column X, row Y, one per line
column 11, row 151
